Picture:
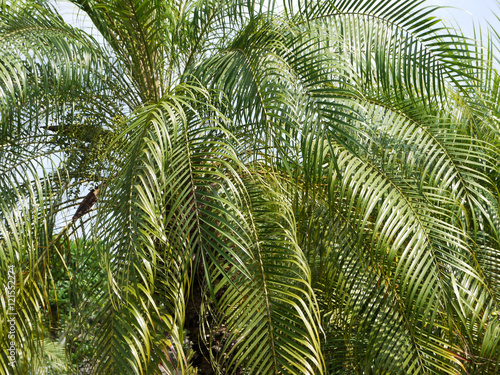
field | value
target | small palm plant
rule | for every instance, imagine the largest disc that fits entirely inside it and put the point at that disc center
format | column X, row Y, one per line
column 311, row 189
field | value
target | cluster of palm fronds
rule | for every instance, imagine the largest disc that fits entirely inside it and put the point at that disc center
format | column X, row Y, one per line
column 311, row 190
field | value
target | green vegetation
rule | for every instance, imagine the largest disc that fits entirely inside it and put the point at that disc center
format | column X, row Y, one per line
column 305, row 190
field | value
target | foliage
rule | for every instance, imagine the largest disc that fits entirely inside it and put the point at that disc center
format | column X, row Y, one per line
column 305, row 190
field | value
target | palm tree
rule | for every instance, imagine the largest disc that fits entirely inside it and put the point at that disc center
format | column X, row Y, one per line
column 311, row 189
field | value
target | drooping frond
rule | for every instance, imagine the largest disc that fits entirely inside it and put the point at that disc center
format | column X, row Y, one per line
column 265, row 320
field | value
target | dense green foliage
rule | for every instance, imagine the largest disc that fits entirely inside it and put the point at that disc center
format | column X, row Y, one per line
column 306, row 190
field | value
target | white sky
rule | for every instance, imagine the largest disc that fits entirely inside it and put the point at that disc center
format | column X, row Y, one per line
column 467, row 13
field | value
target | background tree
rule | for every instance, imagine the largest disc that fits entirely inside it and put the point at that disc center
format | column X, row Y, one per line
column 303, row 191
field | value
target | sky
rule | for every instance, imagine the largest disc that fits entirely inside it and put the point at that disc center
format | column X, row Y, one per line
column 466, row 13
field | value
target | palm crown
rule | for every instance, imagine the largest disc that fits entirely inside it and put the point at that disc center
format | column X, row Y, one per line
column 305, row 191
